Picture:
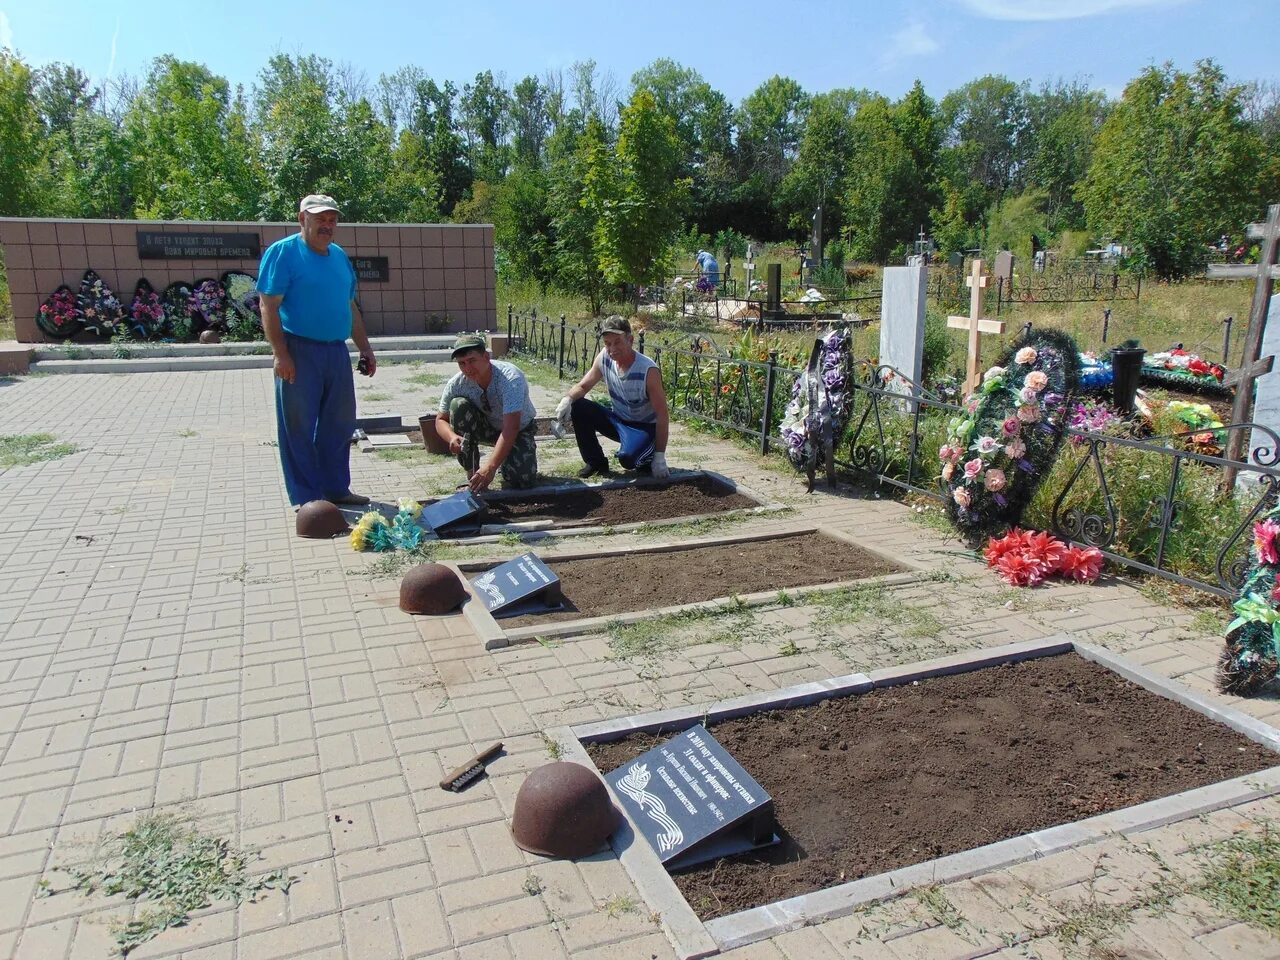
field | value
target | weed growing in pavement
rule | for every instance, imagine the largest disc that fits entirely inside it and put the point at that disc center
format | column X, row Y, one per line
column 187, row 432
column 874, row 602
column 619, row 904
column 19, row 450
column 555, row 750
column 1243, row 878
column 532, row 885
column 165, row 861
column 375, row 397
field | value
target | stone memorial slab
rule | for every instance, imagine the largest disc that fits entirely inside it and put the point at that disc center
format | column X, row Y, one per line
column 451, row 510
column 380, row 440
column 905, row 292
column 159, row 245
column 1003, row 267
column 519, row 586
column 693, row 802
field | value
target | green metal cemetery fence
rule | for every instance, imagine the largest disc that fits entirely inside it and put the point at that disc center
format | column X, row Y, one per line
column 895, row 427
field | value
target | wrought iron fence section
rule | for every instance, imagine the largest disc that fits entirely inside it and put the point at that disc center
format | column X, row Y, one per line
column 894, row 428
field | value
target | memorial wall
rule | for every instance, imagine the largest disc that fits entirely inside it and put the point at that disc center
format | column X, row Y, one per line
column 414, row 278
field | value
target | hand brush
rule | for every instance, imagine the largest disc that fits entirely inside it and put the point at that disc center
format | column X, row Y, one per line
column 471, row 770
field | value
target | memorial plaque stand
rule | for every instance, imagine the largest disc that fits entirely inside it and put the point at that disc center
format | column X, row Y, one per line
column 693, row 802
column 451, row 510
column 519, row 586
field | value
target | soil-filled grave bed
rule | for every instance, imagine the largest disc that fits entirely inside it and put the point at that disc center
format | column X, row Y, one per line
column 603, row 585
column 613, row 505
column 873, row 782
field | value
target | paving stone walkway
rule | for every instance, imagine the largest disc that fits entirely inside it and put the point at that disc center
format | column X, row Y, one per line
column 167, row 644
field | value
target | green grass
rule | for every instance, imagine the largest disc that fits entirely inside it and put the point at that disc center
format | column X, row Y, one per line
column 26, row 448
column 873, row 602
column 375, row 397
column 730, row 623
column 404, row 454
column 1243, row 879
column 426, row 380
column 164, row 862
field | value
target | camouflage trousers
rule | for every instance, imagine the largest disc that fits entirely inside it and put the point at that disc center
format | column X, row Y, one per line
column 519, row 470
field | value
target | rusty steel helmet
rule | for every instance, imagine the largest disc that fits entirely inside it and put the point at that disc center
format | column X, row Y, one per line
column 210, row 336
column 320, row 520
column 563, row 810
column 431, row 588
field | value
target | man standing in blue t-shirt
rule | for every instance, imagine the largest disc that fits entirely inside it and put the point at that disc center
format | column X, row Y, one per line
column 307, row 290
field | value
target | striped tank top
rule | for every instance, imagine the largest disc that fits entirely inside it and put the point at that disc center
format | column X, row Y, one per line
column 627, row 391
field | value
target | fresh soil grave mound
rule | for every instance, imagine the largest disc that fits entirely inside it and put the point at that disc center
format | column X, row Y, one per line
column 866, row 784
column 611, row 506
column 623, row 583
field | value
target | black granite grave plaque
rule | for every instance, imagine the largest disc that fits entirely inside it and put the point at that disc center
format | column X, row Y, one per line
column 450, row 510
column 375, row 269
column 692, row 801
column 515, row 581
column 157, row 245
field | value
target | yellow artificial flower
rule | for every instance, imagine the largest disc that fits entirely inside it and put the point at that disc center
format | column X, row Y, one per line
column 369, row 520
column 413, row 506
column 357, row 538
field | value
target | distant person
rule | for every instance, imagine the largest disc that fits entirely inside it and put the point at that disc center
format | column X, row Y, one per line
column 708, row 267
column 638, row 420
column 307, row 292
column 487, row 402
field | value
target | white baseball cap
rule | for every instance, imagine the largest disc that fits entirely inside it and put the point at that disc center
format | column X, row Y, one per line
column 316, row 202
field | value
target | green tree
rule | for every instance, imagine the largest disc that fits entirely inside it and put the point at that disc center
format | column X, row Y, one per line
column 1063, row 121
column 889, row 186
column 575, row 253
column 703, row 122
column 21, row 139
column 1176, row 166
column 986, row 124
column 197, row 149
column 485, row 115
column 639, row 199
column 770, row 123
column 522, row 223
column 298, row 130
column 530, row 121
column 827, row 149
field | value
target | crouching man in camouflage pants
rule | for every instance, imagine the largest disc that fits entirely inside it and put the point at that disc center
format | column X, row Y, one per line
column 487, row 402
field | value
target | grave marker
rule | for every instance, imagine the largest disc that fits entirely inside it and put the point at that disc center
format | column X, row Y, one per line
column 693, row 802
column 905, row 291
column 510, row 588
column 976, row 324
column 442, row 513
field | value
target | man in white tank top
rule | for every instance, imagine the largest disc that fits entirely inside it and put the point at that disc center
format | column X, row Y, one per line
column 638, row 420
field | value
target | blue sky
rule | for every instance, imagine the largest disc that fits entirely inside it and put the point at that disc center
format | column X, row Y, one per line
column 823, row 44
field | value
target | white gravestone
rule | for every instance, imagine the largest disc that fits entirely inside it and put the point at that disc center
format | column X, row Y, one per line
column 1266, row 399
column 902, row 302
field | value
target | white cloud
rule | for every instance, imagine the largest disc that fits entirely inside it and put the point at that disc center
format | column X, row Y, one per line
column 911, row 41
column 1055, row 9
column 6, row 31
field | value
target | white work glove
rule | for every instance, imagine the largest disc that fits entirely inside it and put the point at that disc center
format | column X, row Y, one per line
column 660, row 469
column 564, row 410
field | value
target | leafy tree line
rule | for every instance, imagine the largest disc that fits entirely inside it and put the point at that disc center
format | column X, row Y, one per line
column 589, row 184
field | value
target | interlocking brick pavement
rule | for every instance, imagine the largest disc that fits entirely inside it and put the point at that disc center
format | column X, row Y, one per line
column 166, row 643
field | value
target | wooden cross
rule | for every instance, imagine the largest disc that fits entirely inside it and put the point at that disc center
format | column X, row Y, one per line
column 1252, row 365
column 976, row 324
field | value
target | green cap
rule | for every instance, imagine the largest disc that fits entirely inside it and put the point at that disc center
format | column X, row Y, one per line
column 615, row 324
column 468, row 341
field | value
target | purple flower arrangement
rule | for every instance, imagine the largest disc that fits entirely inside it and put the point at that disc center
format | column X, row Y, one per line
column 832, row 371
